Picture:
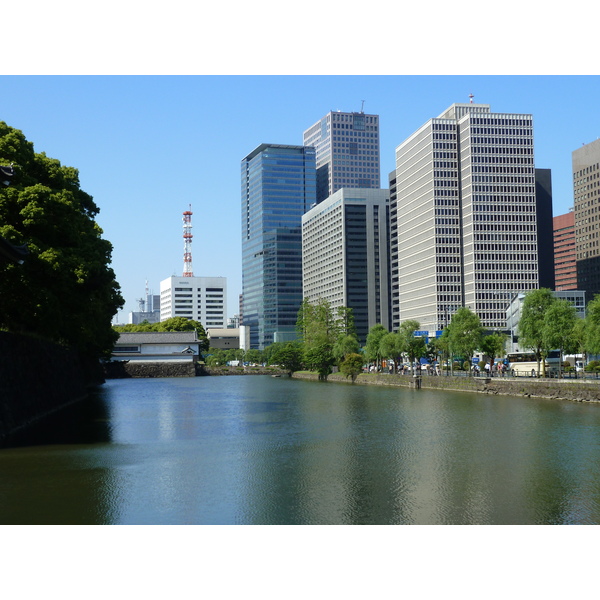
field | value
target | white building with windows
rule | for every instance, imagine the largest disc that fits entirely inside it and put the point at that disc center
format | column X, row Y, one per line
column 347, row 151
column 464, row 227
column 345, row 257
column 203, row 299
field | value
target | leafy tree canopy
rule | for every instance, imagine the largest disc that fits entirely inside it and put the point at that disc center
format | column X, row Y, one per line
column 559, row 325
column 373, row 350
column 352, row 365
column 65, row 290
column 464, row 333
column 288, row 356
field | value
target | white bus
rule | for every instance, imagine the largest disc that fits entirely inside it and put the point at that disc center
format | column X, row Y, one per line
column 525, row 363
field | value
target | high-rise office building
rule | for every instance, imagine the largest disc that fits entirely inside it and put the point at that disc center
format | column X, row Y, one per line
column 565, row 263
column 345, row 255
column 586, row 184
column 545, row 227
column 464, row 205
column 278, row 187
column 347, row 151
column 202, row 299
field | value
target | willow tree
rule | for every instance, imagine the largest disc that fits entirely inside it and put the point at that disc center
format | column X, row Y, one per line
column 464, row 333
column 559, row 326
column 65, row 290
column 531, row 326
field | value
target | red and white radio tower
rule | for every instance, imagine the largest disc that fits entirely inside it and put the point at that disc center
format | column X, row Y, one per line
column 187, row 243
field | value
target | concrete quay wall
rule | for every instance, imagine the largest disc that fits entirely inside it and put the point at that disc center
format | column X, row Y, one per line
column 562, row 389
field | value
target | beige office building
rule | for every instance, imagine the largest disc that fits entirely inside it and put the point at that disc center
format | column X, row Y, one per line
column 345, row 256
column 463, row 208
column 586, row 188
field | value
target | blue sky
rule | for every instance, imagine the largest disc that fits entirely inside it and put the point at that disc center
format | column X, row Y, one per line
column 148, row 146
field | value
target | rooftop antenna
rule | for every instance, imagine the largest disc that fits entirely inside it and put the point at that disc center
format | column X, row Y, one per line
column 362, row 107
column 471, row 98
column 187, row 243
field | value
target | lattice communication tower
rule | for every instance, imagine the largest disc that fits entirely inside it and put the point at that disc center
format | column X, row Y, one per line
column 187, row 243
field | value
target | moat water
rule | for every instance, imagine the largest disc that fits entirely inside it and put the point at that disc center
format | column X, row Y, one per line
column 264, row 450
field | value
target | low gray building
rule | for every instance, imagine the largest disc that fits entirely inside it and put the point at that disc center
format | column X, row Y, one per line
column 157, row 346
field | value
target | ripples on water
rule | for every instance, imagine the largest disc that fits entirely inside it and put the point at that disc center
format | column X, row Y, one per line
column 262, row 450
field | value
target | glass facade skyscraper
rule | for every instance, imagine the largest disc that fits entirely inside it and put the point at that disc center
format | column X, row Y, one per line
column 278, row 185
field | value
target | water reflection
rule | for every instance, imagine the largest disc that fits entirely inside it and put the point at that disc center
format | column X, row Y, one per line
column 274, row 451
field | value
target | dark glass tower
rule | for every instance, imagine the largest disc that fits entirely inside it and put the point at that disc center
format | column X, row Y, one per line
column 278, row 187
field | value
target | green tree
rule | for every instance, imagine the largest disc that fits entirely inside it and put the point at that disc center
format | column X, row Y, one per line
column 592, row 326
column 319, row 358
column 390, row 346
column 531, row 324
column 372, row 347
column 65, row 290
column 464, row 333
column 493, row 345
column 413, row 346
column 345, row 344
column 319, row 328
column 559, row 325
column 352, row 365
column 344, row 318
column 288, row 356
column 253, row 356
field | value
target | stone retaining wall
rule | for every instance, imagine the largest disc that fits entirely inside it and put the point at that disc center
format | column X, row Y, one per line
column 37, row 378
column 567, row 389
column 126, row 369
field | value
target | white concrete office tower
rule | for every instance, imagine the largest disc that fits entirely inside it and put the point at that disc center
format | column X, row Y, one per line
column 345, row 256
column 586, row 191
column 202, row 299
column 464, row 213
column 347, row 151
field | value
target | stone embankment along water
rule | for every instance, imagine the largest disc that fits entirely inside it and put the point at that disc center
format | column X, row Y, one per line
column 37, row 378
column 575, row 390
column 126, row 369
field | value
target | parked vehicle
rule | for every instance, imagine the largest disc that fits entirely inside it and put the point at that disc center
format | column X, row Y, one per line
column 525, row 363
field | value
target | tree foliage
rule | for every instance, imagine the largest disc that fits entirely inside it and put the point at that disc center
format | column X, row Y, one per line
column 531, row 324
column 373, row 350
column 352, row 365
column 493, row 345
column 320, row 328
column 413, row 346
column 559, row 325
column 65, row 290
column 344, row 345
column 288, row 356
column 592, row 326
column 464, row 333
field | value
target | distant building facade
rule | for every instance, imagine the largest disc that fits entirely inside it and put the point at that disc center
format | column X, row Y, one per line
column 465, row 230
column 278, row 187
column 345, row 255
column 545, row 228
column 347, row 151
column 515, row 307
column 586, row 191
column 565, row 255
column 203, row 299
column 229, row 338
